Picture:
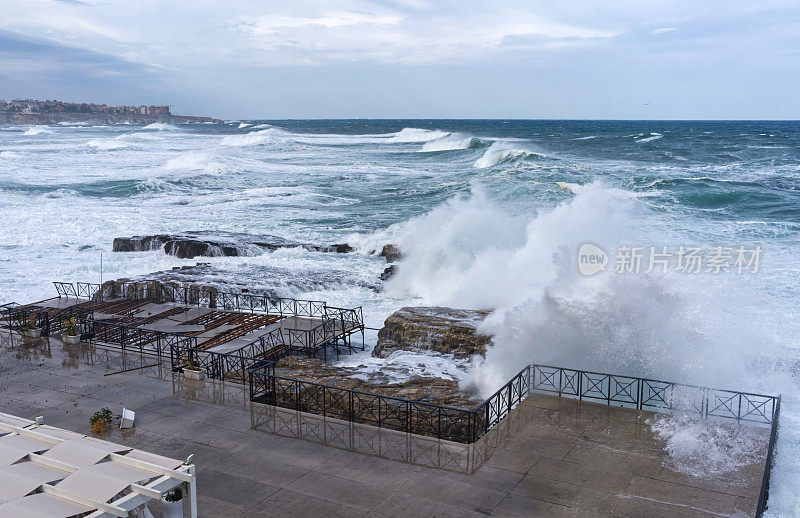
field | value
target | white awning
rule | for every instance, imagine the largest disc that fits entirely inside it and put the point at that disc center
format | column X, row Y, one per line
column 50, row 472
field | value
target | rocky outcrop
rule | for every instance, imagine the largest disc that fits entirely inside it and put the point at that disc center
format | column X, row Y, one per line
column 389, row 272
column 392, row 253
column 431, row 328
column 187, row 245
column 437, row 391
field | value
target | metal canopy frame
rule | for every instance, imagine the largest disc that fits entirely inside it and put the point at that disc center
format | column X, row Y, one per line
column 133, row 495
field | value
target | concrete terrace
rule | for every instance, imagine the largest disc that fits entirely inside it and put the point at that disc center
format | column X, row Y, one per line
column 551, row 456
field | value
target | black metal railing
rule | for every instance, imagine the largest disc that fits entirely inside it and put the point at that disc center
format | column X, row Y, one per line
column 204, row 297
column 763, row 495
column 233, row 366
column 454, row 424
column 130, row 338
column 649, row 394
column 463, row 425
column 335, row 324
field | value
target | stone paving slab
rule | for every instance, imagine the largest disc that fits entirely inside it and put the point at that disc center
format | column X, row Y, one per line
column 551, row 457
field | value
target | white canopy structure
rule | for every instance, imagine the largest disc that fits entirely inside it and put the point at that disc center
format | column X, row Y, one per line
column 51, row 472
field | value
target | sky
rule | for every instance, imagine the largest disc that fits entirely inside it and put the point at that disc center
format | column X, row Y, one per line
column 584, row 59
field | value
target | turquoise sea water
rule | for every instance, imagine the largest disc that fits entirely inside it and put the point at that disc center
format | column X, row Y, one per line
column 491, row 214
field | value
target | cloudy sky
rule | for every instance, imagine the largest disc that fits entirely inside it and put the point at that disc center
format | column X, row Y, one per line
column 410, row 58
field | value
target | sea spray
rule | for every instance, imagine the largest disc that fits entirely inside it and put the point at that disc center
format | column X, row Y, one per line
column 469, row 253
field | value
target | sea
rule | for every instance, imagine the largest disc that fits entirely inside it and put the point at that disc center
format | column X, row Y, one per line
column 663, row 249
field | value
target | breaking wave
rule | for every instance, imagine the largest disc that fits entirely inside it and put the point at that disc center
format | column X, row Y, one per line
column 452, row 142
column 500, row 152
column 160, row 126
column 38, row 130
column 272, row 134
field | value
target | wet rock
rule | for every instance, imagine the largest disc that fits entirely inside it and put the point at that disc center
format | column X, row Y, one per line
column 262, row 279
column 389, row 272
column 342, row 248
column 187, row 245
column 438, row 391
column 392, row 253
column 432, row 328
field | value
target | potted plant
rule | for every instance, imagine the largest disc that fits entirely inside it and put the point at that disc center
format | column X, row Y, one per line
column 29, row 328
column 191, row 371
column 101, row 420
column 71, row 334
column 171, row 504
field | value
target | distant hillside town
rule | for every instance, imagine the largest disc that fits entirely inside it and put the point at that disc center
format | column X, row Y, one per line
column 34, row 111
column 36, row 106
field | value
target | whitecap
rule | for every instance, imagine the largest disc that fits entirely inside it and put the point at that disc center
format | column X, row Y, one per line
column 244, row 125
column 160, row 126
column 652, row 137
column 38, row 130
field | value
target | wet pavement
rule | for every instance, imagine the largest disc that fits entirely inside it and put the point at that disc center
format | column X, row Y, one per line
column 552, row 456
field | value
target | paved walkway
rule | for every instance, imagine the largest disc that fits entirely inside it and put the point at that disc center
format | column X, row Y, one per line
column 554, row 457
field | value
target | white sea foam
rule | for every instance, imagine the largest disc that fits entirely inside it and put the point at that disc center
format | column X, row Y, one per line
column 574, row 188
column 38, row 130
column 502, row 151
column 254, row 138
column 402, row 365
column 9, row 155
column 192, row 161
column 105, row 144
column 244, row 125
column 706, row 448
column 452, row 142
column 590, row 137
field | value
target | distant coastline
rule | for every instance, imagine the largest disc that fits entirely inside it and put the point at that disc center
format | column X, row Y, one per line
column 100, row 118
column 33, row 111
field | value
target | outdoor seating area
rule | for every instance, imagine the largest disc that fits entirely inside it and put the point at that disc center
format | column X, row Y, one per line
column 166, row 320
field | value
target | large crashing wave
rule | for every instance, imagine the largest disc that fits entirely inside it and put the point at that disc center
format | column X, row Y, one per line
column 469, row 253
column 501, row 151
